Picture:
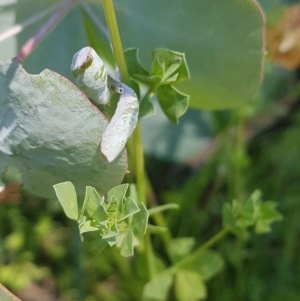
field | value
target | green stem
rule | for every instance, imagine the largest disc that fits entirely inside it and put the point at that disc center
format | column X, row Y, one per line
column 240, row 153
column 212, row 241
column 135, row 144
column 112, row 25
column 135, row 147
column 139, row 164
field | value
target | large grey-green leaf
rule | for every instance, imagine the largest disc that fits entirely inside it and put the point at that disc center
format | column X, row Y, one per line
column 222, row 39
column 51, row 132
column 223, row 42
column 176, row 143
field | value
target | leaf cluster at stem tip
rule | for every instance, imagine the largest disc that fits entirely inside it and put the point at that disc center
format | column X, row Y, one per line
column 168, row 68
column 238, row 217
column 118, row 217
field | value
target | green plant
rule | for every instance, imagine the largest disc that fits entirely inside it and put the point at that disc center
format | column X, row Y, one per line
column 60, row 142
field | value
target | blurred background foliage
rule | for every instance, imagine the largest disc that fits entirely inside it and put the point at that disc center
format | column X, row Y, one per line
column 41, row 259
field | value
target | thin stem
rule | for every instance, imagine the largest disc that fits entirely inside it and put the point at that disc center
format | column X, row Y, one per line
column 239, row 150
column 112, row 25
column 139, row 163
column 136, row 154
column 135, row 144
column 212, row 241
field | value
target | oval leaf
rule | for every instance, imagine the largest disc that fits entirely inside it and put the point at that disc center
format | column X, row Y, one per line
column 67, row 197
column 51, row 132
column 225, row 60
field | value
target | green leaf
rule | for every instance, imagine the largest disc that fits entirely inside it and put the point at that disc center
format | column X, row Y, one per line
column 173, row 103
column 239, row 216
column 118, row 193
column 51, row 133
column 87, row 227
column 181, row 247
column 133, row 63
column 147, row 108
column 92, row 201
column 158, row 288
column 225, row 60
column 139, row 221
column 170, row 65
column 268, row 215
column 127, row 244
column 67, row 197
column 189, row 286
column 129, row 208
column 110, row 233
column 206, row 263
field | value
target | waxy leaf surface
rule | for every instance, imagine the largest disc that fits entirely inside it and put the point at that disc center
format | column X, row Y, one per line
column 51, row 133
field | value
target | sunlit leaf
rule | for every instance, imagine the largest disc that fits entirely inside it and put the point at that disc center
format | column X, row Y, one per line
column 87, row 227
column 127, row 244
column 67, row 197
column 189, row 286
column 92, row 201
column 180, row 247
column 158, row 288
column 117, row 192
column 140, row 221
column 129, row 208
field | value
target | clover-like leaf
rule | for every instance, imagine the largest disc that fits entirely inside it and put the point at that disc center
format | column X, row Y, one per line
column 91, row 204
column 139, row 221
column 181, row 247
column 189, row 286
column 171, row 66
column 267, row 216
column 127, row 244
column 67, row 197
column 87, row 227
column 206, row 264
column 117, row 192
column 129, row 208
column 135, row 67
column 158, row 288
column 238, row 217
column 173, row 103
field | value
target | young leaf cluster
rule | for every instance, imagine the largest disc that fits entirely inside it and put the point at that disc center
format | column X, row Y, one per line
column 168, row 68
column 238, row 217
column 119, row 219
